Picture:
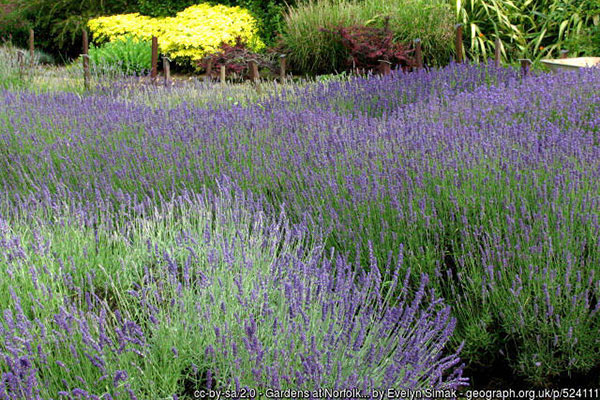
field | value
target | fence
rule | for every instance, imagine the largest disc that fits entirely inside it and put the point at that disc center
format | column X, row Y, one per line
column 385, row 66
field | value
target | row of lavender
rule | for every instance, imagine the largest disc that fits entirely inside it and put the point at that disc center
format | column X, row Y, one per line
column 193, row 292
column 489, row 184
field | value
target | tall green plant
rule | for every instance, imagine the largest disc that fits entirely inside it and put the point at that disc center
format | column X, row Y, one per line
column 309, row 48
column 587, row 44
column 527, row 28
column 127, row 55
column 552, row 23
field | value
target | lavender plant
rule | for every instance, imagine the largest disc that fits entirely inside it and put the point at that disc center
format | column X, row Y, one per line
column 10, row 74
column 488, row 180
column 211, row 293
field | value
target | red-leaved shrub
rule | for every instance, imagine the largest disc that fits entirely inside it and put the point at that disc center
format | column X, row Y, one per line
column 235, row 58
column 367, row 45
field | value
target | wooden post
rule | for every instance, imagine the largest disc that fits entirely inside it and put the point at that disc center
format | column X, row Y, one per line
column 209, row 68
column 19, row 59
column 564, row 53
column 86, row 61
column 21, row 62
column 459, row 43
column 525, row 64
column 167, row 69
column 154, row 71
column 31, row 47
column 282, row 61
column 385, row 67
column 418, row 53
column 497, row 50
column 222, row 74
column 253, row 65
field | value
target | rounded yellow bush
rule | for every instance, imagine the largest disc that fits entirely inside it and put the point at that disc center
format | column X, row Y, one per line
column 189, row 36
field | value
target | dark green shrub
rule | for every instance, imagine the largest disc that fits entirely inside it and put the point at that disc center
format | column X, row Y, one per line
column 58, row 23
column 129, row 55
column 269, row 13
column 41, row 57
column 313, row 48
column 158, row 8
column 13, row 29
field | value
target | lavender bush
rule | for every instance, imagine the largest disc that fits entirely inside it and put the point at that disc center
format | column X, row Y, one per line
column 488, row 181
column 208, row 292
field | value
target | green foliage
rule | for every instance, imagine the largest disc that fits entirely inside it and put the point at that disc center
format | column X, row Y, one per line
column 42, row 57
column 313, row 50
column 558, row 21
column 327, row 78
column 527, row 28
column 158, row 8
column 585, row 45
column 13, row 28
column 269, row 13
column 128, row 55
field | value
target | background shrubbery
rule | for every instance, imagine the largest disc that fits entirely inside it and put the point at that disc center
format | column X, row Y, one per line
column 189, row 36
column 267, row 12
column 57, row 23
column 532, row 29
column 313, row 50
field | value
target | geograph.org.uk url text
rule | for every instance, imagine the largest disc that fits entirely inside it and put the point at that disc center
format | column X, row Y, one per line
column 532, row 394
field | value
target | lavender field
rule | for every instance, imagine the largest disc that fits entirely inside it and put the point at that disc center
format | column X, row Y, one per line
column 410, row 231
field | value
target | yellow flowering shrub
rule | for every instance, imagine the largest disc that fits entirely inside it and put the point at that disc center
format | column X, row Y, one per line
column 190, row 35
column 107, row 29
